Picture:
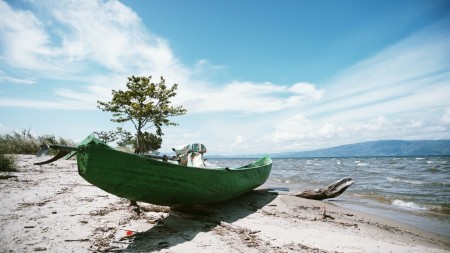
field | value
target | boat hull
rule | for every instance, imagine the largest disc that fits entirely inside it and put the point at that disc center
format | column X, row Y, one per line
column 138, row 178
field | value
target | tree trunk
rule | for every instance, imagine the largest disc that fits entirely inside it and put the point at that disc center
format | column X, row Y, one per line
column 330, row 191
column 138, row 149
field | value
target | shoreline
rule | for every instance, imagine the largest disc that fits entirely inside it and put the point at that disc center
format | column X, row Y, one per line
column 410, row 190
column 51, row 208
column 431, row 223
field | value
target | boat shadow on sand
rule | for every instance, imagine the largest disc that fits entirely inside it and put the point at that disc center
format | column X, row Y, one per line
column 184, row 223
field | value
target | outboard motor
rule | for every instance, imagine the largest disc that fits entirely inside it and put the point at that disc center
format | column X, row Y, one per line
column 191, row 155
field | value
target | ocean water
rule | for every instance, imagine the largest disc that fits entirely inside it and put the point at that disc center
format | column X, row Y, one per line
column 412, row 190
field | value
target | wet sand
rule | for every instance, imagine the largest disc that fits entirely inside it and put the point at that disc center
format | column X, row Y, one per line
column 51, row 208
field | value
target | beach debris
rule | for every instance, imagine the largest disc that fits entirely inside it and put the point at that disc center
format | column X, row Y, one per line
column 325, row 215
column 129, row 234
column 77, row 240
column 101, row 239
column 110, row 249
column 163, row 244
column 30, row 204
column 248, row 236
column 331, row 191
column 155, row 208
column 7, row 176
column 135, row 207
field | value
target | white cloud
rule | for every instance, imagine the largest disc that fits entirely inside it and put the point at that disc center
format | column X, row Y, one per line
column 328, row 130
column 446, row 117
column 250, row 97
column 203, row 69
column 26, row 103
column 111, row 35
column 414, row 123
column 376, row 124
column 300, row 133
column 237, row 141
column 24, row 38
column 408, row 76
column 5, row 130
column 397, row 94
column 306, row 90
column 400, row 93
column 69, row 37
column 16, row 80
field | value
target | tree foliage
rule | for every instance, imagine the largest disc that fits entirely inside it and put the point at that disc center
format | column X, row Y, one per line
column 144, row 104
column 106, row 137
column 123, row 137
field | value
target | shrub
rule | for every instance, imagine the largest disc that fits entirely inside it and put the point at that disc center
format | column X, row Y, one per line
column 7, row 163
column 25, row 143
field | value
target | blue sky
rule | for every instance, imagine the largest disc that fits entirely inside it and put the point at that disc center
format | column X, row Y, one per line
column 255, row 76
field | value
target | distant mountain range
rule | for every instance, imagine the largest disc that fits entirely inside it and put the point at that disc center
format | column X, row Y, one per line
column 378, row 148
column 370, row 148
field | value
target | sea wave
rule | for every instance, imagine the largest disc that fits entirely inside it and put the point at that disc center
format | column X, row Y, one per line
column 409, row 205
column 399, row 180
column 442, row 209
column 442, row 183
column 280, row 180
column 433, row 170
column 374, row 196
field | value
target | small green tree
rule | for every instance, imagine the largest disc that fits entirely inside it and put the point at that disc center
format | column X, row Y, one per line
column 106, row 137
column 123, row 137
column 144, row 103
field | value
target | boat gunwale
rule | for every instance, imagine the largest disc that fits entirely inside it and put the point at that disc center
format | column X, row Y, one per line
column 253, row 165
column 249, row 166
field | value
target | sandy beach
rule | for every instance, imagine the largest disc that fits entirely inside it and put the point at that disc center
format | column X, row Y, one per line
column 51, row 208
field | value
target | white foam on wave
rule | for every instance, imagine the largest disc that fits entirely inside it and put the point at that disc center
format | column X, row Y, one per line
column 210, row 165
column 393, row 179
column 409, row 205
column 282, row 180
column 444, row 183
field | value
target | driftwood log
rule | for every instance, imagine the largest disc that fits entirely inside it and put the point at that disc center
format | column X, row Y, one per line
column 331, row 191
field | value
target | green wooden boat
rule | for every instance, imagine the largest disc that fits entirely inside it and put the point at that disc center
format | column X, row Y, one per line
column 140, row 178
